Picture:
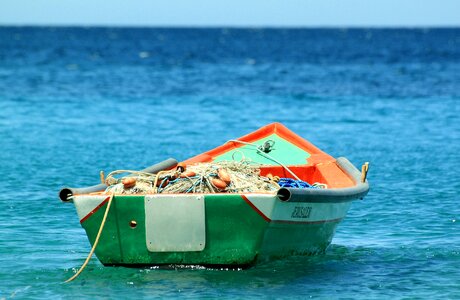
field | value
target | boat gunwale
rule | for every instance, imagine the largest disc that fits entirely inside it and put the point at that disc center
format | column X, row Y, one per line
column 334, row 195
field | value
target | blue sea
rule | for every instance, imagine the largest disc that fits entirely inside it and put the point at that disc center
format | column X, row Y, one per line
column 74, row 101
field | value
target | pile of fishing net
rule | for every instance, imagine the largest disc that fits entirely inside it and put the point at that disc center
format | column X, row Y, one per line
column 216, row 177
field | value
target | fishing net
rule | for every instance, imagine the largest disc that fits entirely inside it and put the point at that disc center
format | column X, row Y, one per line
column 216, row 177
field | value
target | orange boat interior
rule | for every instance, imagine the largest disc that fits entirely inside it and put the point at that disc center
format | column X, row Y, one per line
column 329, row 174
column 304, row 159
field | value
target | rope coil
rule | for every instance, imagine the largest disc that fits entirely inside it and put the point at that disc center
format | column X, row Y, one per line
column 241, row 177
column 245, row 176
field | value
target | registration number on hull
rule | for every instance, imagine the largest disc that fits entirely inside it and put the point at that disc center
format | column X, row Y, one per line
column 301, row 212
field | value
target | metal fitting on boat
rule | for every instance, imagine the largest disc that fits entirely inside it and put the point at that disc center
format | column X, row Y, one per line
column 284, row 194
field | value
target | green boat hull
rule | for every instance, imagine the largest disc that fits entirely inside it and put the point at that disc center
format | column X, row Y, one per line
column 238, row 230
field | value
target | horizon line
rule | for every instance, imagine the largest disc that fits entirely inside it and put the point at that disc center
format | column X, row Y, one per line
column 172, row 26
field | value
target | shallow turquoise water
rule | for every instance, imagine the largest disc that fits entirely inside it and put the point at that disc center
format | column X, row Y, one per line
column 77, row 101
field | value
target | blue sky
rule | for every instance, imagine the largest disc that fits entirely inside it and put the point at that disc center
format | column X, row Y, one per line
column 258, row 13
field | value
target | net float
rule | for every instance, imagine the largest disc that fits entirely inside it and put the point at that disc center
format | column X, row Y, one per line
column 161, row 183
column 224, row 176
column 219, row 184
column 128, row 182
column 181, row 167
column 187, row 174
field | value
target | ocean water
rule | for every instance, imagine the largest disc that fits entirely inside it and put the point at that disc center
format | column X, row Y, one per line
column 74, row 101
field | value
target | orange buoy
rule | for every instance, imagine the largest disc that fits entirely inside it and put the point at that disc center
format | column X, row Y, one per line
column 219, row 184
column 224, row 176
column 181, row 167
column 128, row 182
column 188, row 173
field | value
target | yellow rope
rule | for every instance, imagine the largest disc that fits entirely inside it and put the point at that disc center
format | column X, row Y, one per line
column 157, row 178
column 96, row 241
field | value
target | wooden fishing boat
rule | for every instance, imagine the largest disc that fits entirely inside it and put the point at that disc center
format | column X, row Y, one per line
column 237, row 229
